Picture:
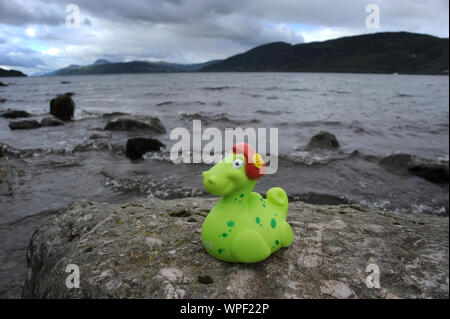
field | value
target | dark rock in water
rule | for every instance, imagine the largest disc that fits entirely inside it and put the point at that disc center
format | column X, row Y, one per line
column 65, row 82
column 51, row 121
column 14, row 114
column 24, row 125
column 402, row 164
column 138, row 146
column 323, row 140
column 3, row 100
column 138, row 250
column 136, row 124
column 113, row 114
column 433, row 172
column 99, row 135
column 62, row 107
column 70, row 94
column 397, row 163
column 3, row 84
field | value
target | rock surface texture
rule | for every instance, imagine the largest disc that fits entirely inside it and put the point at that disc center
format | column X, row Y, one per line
column 152, row 249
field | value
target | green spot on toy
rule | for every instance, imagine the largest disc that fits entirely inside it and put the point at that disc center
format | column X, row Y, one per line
column 234, row 179
column 273, row 223
column 277, row 242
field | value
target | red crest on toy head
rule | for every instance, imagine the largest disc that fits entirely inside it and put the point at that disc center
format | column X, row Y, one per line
column 252, row 161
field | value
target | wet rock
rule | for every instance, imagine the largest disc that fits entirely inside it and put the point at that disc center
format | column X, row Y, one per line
column 396, row 162
column 62, row 107
column 138, row 146
column 323, row 140
column 14, row 114
column 114, row 114
column 136, row 124
column 403, row 164
column 3, row 84
column 433, row 172
column 141, row 250
column 24, row 125
column 51, row 121
column 99, row 135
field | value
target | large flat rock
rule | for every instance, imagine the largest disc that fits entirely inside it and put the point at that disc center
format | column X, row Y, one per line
column 153, row 249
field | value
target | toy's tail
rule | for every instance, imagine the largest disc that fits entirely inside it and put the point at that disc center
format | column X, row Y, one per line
column 278, row 197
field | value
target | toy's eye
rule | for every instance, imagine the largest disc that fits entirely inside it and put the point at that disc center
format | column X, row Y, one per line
column 237, row 163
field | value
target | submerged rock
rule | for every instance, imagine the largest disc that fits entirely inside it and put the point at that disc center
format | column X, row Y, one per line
column 138, row 146
column 323, row 140
column 432, row 172
column 99, row 135
column 146, row 249
column 401, row 164
column 51, row 121
column 62, row 107
column 147, row 123
column 114, row 114
column 14, row 114
column 24, row 125
column 396, row 163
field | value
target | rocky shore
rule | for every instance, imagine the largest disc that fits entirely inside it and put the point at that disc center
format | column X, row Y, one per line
column 152, row 249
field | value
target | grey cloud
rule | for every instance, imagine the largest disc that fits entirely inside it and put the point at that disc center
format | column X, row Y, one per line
column 30, row 12
column 22, row 57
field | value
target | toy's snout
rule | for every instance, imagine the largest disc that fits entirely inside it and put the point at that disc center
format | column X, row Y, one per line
column 212, row 183
column 209, row 179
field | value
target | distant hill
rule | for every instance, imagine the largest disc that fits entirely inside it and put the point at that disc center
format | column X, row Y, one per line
column 105, row 67
column 391, row 52
column 9, row 73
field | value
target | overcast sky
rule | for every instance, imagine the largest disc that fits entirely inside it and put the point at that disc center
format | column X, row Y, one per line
column 34, row 36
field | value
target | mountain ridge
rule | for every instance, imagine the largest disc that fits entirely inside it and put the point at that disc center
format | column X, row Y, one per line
column 10, row 73
column 384, row 52
column 103, row 66
column 387, row 52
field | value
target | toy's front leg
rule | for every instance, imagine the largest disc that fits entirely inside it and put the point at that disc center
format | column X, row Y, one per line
column 249, row 247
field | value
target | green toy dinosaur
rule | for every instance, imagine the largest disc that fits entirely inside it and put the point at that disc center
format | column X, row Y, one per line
column 243, row 226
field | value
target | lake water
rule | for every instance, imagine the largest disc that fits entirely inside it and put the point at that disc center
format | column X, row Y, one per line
column 376, row 115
